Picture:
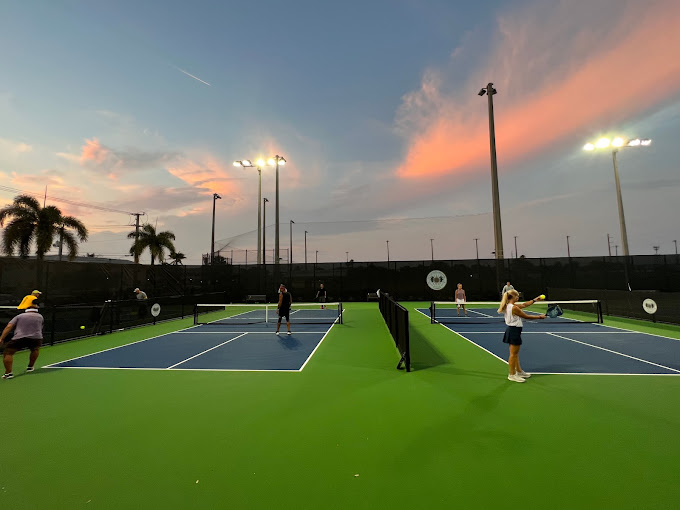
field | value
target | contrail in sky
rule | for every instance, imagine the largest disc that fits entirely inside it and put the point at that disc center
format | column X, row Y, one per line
column 194, row 77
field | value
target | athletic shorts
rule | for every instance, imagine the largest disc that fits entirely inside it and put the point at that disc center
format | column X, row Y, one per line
column 513, row 335
column 322, row 299
column 23, row 343
column 284, row 312
column 460, row 302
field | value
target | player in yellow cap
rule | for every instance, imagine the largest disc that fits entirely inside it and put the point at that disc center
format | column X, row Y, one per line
column 28, row 332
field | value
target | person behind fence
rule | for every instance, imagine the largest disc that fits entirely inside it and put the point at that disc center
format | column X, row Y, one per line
column 141, row 295
column 514, row 314
column 321, row 296
column 506, row 288
column 28, row 332
column 283, row 307
column 142, row 298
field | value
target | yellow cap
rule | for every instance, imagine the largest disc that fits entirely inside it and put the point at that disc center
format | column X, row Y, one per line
column 36, row 292
column 26, row 302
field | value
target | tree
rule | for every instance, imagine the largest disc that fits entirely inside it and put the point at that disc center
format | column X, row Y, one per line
column 177, row 258
column 156, row 242
column 32, row 223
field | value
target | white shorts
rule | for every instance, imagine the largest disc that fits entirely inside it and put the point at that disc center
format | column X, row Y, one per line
column 460, row 302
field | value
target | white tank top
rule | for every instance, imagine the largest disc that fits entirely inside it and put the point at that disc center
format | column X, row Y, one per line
column 510, row 318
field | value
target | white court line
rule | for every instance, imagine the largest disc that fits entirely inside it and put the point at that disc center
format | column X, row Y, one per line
column 184, row 369
column 600, row 373
column 264, row 332
column 207, row 350
column 615, row 352
column 560, row 332
column 320, row 341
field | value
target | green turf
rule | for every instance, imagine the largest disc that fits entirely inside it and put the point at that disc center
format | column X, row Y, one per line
column 454, row 433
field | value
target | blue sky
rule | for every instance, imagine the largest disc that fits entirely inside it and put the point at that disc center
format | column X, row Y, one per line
column 373, row 104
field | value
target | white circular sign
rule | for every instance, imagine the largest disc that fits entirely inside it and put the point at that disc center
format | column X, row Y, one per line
column 436, row 280
column 649, row 306
column 156, row 310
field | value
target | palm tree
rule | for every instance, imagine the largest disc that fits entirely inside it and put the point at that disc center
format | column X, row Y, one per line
column 177, row 258
column 156, row 242
column 30, row 222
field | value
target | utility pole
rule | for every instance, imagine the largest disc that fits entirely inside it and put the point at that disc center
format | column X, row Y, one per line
column 676, row 246
column 347, row 255
column 609, row 245
column 388, row 252
column 432, row 248
column 516, row 255
column 568, row 250
column 137, row 215
column 616, row 247
column 305, row 248
column 212, row 239
column 477, row 247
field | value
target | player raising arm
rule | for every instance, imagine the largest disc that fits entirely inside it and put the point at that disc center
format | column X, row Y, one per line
column 514, row 313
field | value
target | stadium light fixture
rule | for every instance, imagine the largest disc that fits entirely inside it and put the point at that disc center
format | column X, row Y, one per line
column 617, row 142
column 260, row 162
column 276, row 161
column 646, row 143
column 634, row 143
column 602, row 143
column 246, row 163
column 589, row 147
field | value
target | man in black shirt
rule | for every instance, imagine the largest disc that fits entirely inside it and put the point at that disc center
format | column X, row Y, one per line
column 321, row 296
column 285, row 300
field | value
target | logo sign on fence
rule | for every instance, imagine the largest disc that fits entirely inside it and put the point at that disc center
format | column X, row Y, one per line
column 436, row 280
column 649, row 306
column 156, row 310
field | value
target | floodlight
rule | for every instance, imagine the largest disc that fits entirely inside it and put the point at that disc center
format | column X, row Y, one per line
column 260, row 162
column 602, row 143
column 282, row 161
column 588, row 147
column 646, row 142
column 617, row 142
column 481, row 92
column 237, row 163
column 246, row 162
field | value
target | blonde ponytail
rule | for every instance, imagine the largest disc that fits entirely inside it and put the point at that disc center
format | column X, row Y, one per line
column 506, row 298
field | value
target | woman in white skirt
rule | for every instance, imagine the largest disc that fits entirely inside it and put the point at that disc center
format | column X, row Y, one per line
column 514, row 314
column 460, row 299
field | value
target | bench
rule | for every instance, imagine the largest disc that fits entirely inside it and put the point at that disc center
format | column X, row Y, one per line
column 256, row 298
column 372, row 296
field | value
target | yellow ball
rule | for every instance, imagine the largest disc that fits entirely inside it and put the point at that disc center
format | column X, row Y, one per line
column 542, row 296
column 82, row 327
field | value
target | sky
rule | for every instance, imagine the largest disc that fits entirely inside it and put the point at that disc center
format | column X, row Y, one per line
column 141, row 107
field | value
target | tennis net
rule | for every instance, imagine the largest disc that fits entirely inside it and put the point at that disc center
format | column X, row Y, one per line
column 484, row 312
column 239, row 314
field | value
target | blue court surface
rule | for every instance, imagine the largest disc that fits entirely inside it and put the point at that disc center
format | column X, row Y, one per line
column 248, row 347
column 576, row 348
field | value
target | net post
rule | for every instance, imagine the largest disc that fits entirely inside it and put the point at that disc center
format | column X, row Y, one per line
column 195, row 314
column 432, row 313
column 340, row 310
column 600, row 317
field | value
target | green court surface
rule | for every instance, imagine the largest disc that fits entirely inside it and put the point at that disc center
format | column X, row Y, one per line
column 348, row 432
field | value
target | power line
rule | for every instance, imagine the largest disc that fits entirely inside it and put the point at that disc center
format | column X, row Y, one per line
column 65, row 200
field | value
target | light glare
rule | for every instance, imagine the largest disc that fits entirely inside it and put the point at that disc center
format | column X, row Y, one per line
column 271, row 161
column 602, row 143
column 617, row 142
column 634, row 143
column 260, row 162
column 646, row 142
column 588, row 147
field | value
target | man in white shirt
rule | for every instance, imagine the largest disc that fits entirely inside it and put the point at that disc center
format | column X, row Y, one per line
column 27, row 327
column 506, row 288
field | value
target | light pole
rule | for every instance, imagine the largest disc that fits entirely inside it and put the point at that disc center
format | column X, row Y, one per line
column 477, row 246
column 656, row 249
column 498, row 235
column 290, row 252
column 609, row 245
column 246, row 163
column 432, row 248
column 568, row 250
column 316, row 259
column 347, row 255
column 277, row 161
column 305, row 248
column 388, row 252
column 516, row 255
column 264, row 228
column 616, row 144
column 676, row 246
column 212, row 238
column 616, row 250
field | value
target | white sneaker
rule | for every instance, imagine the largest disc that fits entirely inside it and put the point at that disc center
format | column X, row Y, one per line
column 524, row 374
column 515, row 378
column 277, row 333
column 289, row 333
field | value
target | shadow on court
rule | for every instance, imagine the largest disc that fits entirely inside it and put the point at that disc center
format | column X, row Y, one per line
column 424, row 355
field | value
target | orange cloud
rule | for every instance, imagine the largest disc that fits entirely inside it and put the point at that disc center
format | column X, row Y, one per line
column 94, row 151
column 558, row 89
column 208, row 173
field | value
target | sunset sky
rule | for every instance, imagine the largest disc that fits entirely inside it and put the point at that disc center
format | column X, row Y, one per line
column 143, row 106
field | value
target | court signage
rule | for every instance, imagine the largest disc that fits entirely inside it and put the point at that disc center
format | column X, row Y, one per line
column 649, row 306
column 436, row 280
column 156, row 310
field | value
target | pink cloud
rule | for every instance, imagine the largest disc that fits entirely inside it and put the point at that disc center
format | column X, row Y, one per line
column 557, row 77
column 94, row 151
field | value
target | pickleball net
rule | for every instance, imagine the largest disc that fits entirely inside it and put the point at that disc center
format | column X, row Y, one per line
column 486, row 312
column 242, row 314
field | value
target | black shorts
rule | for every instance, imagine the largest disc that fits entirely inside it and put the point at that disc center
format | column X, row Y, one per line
column 21, row 343
column 284, row 312
column 513, row 335
column 322, row 299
